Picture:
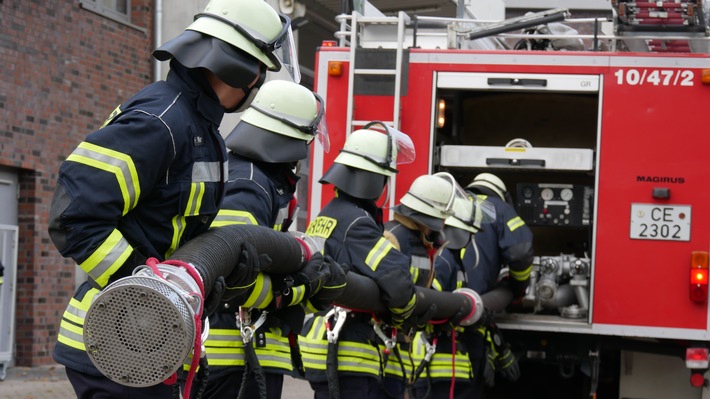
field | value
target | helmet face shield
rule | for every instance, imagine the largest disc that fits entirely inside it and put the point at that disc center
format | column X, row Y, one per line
column 400, row 149
column 280, row 50
column 317, row 128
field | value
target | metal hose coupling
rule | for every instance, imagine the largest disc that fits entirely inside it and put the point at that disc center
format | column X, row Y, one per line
column 140, row 329
column 476, row 306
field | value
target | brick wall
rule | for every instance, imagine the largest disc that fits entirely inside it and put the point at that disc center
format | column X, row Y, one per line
column 64, row 70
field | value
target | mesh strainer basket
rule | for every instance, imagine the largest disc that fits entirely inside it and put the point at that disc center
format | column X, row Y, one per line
column 140, row 329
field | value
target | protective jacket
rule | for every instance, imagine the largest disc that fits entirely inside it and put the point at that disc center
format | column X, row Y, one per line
column 508, row 240
column 150, row 179
column 449, row 276
column 352, row 233
column 258, row 193
column 412, row 242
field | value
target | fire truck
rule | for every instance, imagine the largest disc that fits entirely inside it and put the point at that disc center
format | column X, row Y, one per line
column 601, row 136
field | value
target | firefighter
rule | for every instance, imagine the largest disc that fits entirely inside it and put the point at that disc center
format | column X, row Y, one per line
column 264, row 149
column 152, row 176
column 438, row 373
column 345, row 361
column 418, row 225
column 415, row 232
column 505, row 240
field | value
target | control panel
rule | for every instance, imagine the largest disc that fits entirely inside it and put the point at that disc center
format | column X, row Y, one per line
column 552, row 204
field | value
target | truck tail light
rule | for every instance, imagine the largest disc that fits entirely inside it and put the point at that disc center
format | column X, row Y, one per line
column 696, row 358
column 699, row 276
column 697, row 379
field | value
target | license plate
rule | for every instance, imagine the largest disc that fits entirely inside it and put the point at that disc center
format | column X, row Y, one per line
column 660, row 222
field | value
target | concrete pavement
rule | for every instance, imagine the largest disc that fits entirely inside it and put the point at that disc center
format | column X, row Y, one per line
column 50, row 382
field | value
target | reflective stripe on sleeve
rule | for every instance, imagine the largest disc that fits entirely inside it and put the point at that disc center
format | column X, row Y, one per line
column 378, row 252
column 515, row 222
column 261, row 294
column 107, row 258
column 121, row 165
column 521, row 275
column 226, row 217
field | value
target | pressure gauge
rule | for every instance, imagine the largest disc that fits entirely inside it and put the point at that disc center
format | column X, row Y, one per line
column 547, row 194
column 566, row 194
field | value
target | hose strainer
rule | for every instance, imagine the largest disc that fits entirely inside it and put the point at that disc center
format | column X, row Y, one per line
column 140, row 329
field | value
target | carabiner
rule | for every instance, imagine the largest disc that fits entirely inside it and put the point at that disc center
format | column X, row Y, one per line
column 244, row 322
column 389, row 342
column 339, row 315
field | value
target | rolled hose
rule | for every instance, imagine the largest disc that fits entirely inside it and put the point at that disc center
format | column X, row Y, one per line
column 140, row 329
column 216, row 252
column 362, row 293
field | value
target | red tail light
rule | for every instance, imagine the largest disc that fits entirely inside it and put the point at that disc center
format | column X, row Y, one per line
column 696, row 358
column 699, row 276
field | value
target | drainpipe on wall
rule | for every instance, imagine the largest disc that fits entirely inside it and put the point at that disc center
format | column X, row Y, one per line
column 157, row 37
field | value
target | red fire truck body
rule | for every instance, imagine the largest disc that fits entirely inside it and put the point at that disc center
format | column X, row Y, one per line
column 606, row 156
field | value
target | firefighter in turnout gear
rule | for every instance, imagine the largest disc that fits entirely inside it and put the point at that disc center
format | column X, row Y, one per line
column 264, row 148
column 152, row 177
column 418, row 223
column 413, row 228
column 346, row 360
column 503, row 239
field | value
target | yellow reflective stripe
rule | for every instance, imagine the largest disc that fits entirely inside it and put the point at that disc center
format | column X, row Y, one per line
column 178, row 230
column 521, row 275
column 76, row 311
column 299, row 292
column 515, row 222
column 194, row 201
column 394, row 368
column 309, row 307
column 463, row 252
column 121, row 165
column 437, row 285
column 71, row 335
column 459, row 284
column 440, row 366
column 407, row 308
column 230, row 352
column 414, row 272
column 261, row 294
column 317, row 331
column 226, row 217
column 113, row 114
column 107, row 258
column 378, row 252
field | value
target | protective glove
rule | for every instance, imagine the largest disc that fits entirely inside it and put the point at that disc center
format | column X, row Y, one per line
column 313, row 274
column 418, row 322
column 214, row 298
column 499, row 358
column 398, row 316
column 489, row 369
column 334, row 285
column 242, row 278
column 507, row 364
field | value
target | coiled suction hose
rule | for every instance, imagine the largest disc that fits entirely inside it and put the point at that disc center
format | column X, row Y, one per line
column 216, row 252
